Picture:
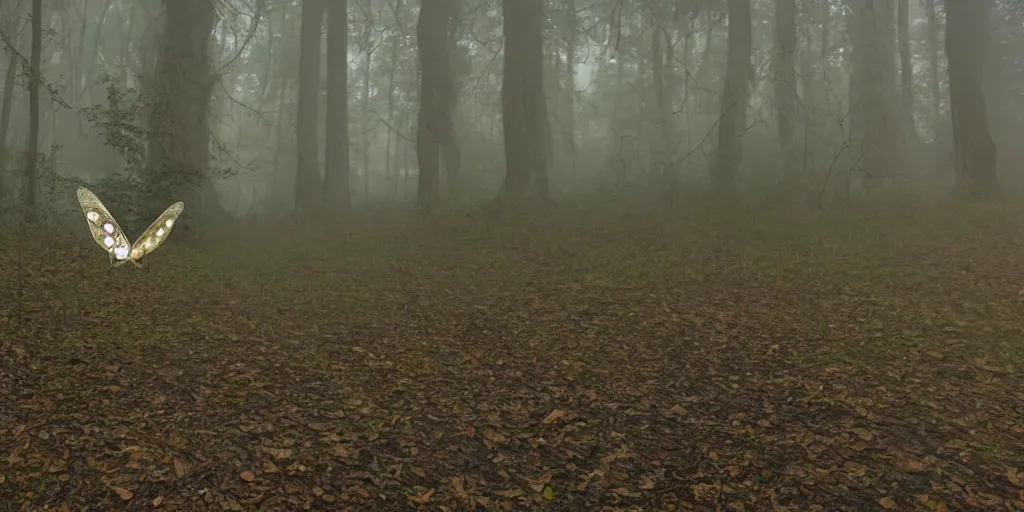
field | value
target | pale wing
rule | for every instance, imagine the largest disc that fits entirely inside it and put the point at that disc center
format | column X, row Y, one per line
column 102, row 226
column 157, row 232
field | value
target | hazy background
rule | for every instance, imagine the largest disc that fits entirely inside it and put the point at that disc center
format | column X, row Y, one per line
column 633, row 96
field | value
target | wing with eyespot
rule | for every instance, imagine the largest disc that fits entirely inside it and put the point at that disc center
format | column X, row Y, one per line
column 102, row 226
column 157, row 232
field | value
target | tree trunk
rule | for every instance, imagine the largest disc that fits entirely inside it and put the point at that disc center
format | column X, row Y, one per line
column 367, row 128
column 875, row 95
column 932, row 36
column 906, row 67
column 337, row 175
column 30, row 183
column 523, row 104
column 179, row 140
column 451, row 154
column 785, row 77
column 308, row 190
column 396, row 39
column 5, row 113
column 664, row 175
column 735, row 99
column 967, row 45
column 434, row 124
column 570, row 72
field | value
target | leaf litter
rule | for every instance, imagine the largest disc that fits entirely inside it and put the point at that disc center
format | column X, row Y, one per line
column 584, row 364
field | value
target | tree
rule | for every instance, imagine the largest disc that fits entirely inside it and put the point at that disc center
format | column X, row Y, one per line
column 337, row 171
column 735, row 99
column 932, row 38
column 906, row 67
column 785, row 76
column 967, row 42
column 35, row 77
column 308, row 191
column 874, row 95
column 435, row 128
column 179, row 134
column 523, row 104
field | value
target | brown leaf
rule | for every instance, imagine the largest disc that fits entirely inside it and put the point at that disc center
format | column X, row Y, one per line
column 123, row 493
column 422, row 500
column 1015, row 477
column 647, row 482
column 157, row 501
column 538, row 484
column 622, row 491
column 677, row 410
column 248, row 476
column 179, row 468
column 554, row 416
column 912, row 466
column 864, row 434
column 887, row 503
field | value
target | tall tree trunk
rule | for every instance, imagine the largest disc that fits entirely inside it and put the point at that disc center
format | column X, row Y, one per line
column 735, row 100
column 906, row 68
column 664, row 175
column 367, row 139
column 967, row 46
column 179, row 140
column 337, row 175
column 395, row 43
column 785, row 77
column 932, row 37
column 451, row 154
column 30, row 183
column 523, row 104
column 435, row 68
column 875, row 96
column 5, row 112
column 570, row 80
column 308, row 191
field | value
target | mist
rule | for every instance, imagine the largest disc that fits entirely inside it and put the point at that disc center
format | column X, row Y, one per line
column 512, row 254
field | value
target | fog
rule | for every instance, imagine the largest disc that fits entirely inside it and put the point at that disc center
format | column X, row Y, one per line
column 512, row 254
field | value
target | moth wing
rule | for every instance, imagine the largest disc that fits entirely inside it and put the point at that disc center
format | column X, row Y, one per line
column 102, row 226
column 157, row 232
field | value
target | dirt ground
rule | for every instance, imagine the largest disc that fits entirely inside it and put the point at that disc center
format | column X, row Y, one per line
column 589, row 361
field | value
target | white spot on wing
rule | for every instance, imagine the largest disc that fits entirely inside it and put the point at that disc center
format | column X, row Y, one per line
column 120, row 252
column 169, row 223
column 92, row 216
column 108, row 227
column 160, row 232
column 108, row 242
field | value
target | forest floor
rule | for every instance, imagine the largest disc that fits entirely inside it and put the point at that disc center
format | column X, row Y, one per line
column 588, row 362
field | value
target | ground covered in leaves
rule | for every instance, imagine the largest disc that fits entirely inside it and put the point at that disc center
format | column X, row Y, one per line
column 590, row 361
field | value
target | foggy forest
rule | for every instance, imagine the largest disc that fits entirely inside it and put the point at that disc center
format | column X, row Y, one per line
column 595, row 255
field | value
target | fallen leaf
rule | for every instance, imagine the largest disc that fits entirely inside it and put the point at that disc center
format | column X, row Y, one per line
column 554, row 416
column 887, row 503
column 179, row 468
column 913, row 466
column 248, row 476
column 864, row 434
column 548, row 494
column 422, row 500
column 123, row 493
column 647, row 482
column 1015, row 477
column 157, row 501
